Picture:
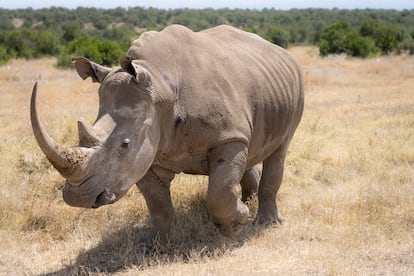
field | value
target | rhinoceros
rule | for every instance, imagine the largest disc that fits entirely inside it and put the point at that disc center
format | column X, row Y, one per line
column 220, row 102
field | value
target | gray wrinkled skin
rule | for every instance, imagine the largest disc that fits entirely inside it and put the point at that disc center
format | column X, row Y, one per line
column 216, row 102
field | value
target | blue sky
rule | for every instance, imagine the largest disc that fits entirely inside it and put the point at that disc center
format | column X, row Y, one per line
column 258, row 4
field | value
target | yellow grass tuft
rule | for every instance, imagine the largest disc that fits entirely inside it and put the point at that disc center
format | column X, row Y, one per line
column 347, row 193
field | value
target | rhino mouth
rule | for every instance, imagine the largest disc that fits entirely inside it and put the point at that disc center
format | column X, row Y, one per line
column 104, row 198
column 87, row 194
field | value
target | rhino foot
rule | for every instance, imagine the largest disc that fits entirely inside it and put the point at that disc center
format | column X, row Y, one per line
column 269, row 218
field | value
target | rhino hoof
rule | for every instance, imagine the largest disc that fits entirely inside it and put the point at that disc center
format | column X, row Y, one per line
column 268, row 220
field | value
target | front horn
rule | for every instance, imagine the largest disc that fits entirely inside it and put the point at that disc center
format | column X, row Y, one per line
column 70, row 162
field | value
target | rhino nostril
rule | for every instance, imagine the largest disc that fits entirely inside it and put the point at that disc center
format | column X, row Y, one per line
column 106, row 197
column 98, row 201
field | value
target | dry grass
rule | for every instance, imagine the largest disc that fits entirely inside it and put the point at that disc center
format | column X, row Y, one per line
column 347, row 194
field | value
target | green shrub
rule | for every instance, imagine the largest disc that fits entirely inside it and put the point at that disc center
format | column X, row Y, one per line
column 110, row 52
column 22, row 43
column 47, row 44
column 386, row 37
column 406, row 46
column 334, row 39
column 29, row 43
column 359, row 46
column 103, row 52
column 70, row 32
column 372, row 38
column 4, row 56
column 276, row 35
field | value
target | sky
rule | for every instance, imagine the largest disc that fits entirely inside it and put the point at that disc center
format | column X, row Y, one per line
column 199, row 4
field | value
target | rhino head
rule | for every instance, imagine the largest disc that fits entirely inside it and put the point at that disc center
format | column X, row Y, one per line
column 118, row 149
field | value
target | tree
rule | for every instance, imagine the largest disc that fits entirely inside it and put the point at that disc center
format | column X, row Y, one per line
column 110, row 52
column 359, row 46
column 4, row 56
column 52, row 31
column 386, row 37
column 341, row 38
column 276, row 35
column 369, row 28
column 103, row 52
column 22, row 43
column 334, row 39
column 47, row 44
column 70, row 32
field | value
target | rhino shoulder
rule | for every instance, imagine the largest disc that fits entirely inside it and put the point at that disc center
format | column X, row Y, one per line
column 151, row 44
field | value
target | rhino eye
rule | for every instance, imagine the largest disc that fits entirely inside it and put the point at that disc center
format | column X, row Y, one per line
column 125, row 143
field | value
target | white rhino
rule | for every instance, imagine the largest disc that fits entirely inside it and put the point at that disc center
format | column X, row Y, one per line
column 216, row 102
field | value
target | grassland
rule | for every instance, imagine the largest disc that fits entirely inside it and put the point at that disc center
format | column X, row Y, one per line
column 347, row 196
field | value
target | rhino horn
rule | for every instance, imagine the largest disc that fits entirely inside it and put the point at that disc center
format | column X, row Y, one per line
column 88, row 136
column 70, row 162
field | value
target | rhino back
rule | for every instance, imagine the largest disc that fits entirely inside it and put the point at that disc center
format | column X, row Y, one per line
column 229, row 85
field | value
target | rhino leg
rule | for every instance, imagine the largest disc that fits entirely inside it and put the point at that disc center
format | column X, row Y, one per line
column 269, row 185
column 250, row 182
column 155, row 187
column 226, row 168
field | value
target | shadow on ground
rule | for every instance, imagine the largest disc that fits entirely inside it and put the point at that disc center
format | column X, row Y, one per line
column 193, row 238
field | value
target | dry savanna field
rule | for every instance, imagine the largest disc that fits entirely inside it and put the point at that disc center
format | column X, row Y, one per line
column 347, row 194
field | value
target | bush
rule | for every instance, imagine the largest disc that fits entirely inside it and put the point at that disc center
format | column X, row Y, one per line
column 4, row 56
column 386, row 37
column 334, row 39
column 276, row 35
column 103, row 52
column 406, row 46
column 28, row 43
column 47, row 44
column 110, row 52
column 359, row 46
column 70, row 32
column 371, row 39
column 22, row 43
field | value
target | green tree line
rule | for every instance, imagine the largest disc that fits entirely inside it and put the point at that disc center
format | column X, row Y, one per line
column 104, row 34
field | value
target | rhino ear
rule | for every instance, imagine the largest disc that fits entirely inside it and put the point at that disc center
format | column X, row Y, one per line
column 87, row 68
column 141, row 74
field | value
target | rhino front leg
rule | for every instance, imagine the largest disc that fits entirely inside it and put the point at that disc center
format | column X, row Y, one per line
column 155, row 187
column 226, row 167
column 269, row 185
column 250, row 182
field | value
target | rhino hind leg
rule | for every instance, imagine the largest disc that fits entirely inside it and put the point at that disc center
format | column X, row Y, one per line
column 250, row 182
column 226, row 167
column 269, row 185
column 155, row 187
